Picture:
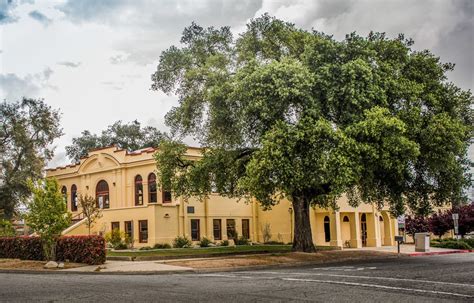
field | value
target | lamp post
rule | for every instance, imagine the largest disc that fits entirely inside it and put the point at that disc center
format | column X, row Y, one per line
column 456, row 225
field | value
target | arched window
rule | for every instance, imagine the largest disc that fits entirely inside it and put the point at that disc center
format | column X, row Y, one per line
column 102, row 194
column 346, row 219
column 64, row 193
column 327, row 229
column 380, row 219
column 152, row 191
column 74, row 197
column 138, row 190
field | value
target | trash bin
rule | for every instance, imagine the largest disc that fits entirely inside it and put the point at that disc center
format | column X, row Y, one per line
column 422, row 242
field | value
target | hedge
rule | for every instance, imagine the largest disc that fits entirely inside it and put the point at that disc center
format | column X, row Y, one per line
column 80, row 249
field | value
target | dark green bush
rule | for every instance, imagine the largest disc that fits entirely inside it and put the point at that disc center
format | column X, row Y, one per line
column 225, row 243
column 204, row 242
column 182, row 242
column 146, row 248
column 453, row 244
column 274, row 243
column 161, row 246
column 242, row 241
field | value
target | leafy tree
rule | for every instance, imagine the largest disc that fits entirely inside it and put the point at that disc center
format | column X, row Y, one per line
column 90, row 210
column 289, row 113
column 466, row 218
column 440, row 223
column 6, row 228
column 416, row 224
column 47, row 214
column 27, row 130
column 130, row 136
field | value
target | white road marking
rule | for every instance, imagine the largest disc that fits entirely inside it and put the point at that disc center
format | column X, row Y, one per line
column 380, row 286
column 361, row 277
column 344, row 268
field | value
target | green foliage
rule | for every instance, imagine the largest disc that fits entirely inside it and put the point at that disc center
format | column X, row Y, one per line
column 266, row 232
column 285, row 112
column 274, row 243
column 28, row 129
column 6, row 228
column 204, row 242
column 90, row 210
column 224, row 243
column 453, row 244
column 182, row 242
column 117, row 239
column 47, row 214
column 242, row 241
column 130, row 136
column 161, row 246
column 145, row 248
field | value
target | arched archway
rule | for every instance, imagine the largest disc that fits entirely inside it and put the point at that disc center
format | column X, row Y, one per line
column 346, row 231
column 386, row 236
column 102, row 194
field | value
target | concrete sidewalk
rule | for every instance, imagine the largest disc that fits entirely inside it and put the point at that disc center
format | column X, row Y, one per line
column 130, row 266
column 409, row 250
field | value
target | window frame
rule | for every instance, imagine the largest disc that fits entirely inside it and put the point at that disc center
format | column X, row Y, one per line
column 197, row 230
column 142, row 235
column 164, row 194
column 129, row 233
column 103, row 193
column 74, row 197
column 64, row 193
column 138, row 190
column 246, row 233
column 230, row 228
column 219, row 230
column 152, row 194
column 115, row 225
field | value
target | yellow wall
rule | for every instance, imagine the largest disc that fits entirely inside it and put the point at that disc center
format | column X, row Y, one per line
column 168, row 220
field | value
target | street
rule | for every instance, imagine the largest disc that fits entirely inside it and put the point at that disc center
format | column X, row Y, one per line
column 444, row 278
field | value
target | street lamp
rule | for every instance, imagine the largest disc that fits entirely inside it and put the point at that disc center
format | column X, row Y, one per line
column 456, row 225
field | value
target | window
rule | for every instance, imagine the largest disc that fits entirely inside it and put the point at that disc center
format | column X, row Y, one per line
column 230, row 228
column 195, row 232
column 346, row 219
column 138, row 190
column 128, row 229
column 190, row 209
column 74, row 197
column 115, row 225
column 166, row 196
column 152, row 192
column 380, row 219
column 327, row 229
column 217, row 227
column 143, row 231
column 102, row 194
column 64, row 193
column 246, row 228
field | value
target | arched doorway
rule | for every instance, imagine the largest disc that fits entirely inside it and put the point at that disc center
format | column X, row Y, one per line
column 363, row 229
column 382, row 230
column 327, row 229
column 102, row 194
column 346, row 231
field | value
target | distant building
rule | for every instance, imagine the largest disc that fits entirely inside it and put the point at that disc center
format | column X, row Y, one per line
column 124, row 184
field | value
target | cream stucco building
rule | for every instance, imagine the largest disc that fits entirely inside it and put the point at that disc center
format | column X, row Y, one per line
column 124, row 184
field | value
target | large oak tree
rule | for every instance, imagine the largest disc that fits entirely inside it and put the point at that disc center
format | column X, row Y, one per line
column 284, row 112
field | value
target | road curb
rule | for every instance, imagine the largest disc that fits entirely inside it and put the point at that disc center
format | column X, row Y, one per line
column 436, row 253
column 120, row 273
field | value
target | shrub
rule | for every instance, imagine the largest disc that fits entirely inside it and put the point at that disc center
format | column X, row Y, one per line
column 80, row 249
column 117, row 239
column 274, row 243
column 146, row 248
column 204, row 242
column 225, row 243
column 416, row 224
column 242, row 241
column 470, row 242
column 6, row 229
column 266, row 232
column 161, row 246
column 182, row 242
column 453, row 244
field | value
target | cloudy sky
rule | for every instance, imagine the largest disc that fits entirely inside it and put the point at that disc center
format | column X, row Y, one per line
column 93, row 58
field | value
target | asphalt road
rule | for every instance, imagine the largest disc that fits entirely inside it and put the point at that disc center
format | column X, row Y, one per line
column 444, row 278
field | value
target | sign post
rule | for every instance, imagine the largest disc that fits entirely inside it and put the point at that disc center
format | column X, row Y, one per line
column 456, row 225
column 399, row 240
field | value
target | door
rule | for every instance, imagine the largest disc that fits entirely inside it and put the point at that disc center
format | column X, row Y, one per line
column 363, row 229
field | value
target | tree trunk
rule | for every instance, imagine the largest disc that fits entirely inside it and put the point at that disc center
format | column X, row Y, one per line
column 303, row 239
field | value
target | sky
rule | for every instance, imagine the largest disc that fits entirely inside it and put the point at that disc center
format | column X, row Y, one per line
column 93, row 59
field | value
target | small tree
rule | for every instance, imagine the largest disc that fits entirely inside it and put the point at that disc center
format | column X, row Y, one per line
column 266, row 232
column 6, row 228
column 440, row 223
column 90, row 210
column 47, row 214
column 415, row 225
column 466, row 218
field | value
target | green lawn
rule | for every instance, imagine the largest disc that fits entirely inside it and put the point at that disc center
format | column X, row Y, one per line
column 222, row 250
